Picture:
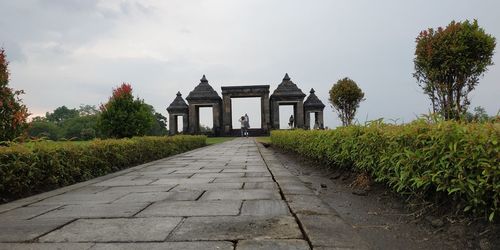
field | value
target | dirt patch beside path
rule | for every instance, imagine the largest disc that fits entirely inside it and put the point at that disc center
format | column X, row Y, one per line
column 383, row 218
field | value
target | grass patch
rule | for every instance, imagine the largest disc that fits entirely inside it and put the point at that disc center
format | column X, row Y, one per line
column 215, row 140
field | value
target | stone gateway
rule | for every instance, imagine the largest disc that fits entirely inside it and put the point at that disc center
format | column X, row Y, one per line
column 203, row 95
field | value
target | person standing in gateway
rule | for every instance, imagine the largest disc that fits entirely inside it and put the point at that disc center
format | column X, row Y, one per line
column 247, row 124
column 243, row 122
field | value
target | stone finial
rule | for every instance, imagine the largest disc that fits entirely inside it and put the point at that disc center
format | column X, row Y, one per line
column 312, row 91
column 286, row 78
column 179, row 93
column 204, row 79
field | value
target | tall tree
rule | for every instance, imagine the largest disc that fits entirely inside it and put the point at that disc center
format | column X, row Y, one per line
column 44, row 129
column 85, row 110
column 13, row 113
column 159, row 125
column 61, row 114
column 449, row 63
column 345, row 97
column 124, row 116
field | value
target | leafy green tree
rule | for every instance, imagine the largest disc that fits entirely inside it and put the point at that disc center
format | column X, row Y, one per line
column 13, row 113
column 124, row 116
column 449, row 63
column 479, row 115
column 61, row 114
column 44, row 129
column 159, row 125
column 88, row 134
column 72, row 128
column 345, row 97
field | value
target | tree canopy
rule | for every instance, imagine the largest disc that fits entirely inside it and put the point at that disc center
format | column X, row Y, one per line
column 345, row 97
column 449, row 63
column 61, row 114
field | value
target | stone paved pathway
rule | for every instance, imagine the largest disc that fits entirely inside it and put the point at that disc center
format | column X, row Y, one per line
column 234, row 195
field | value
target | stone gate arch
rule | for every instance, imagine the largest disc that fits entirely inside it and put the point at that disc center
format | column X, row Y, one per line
column 261, row 91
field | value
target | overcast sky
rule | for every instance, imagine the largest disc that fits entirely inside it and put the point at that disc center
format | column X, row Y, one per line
column 72, row 52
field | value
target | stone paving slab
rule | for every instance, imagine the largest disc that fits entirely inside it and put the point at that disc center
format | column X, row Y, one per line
column 25, row 230
column 260, row 185
column 217, row 175
column 192, row 208
column 272, row 245
column 170, row 181
column 257, row 174
column 248, row 194
column 209, row 186
column 126, row 181
column 243, row 179
column 205, row 245
column 236, row 228
column 46, row 246
column 265, row 208
column 309, row 204
column 109, row 230
column 321, row 228
column 25, row 213
column 160, row 196
column 121, row 191
column 95, row 210
column 244, row 170
column 196, row 171
column 68, row 199
column 295, row 188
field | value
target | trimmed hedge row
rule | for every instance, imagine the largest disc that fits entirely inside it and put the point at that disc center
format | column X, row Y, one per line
column 27, row 169
column 446, row 160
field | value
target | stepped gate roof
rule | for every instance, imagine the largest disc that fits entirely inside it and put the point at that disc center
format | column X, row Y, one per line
column 313, row 102
column 178, row 104
column 287, row 89
column 203, row 92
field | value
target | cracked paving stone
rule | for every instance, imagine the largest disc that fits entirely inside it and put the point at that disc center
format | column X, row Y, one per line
column 237, row 228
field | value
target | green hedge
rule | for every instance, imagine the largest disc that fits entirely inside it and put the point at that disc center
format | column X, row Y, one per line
column 27, row 169
column 446, row 160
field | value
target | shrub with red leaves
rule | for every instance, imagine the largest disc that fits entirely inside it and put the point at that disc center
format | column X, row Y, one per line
column 122, row 116
column 13, row 113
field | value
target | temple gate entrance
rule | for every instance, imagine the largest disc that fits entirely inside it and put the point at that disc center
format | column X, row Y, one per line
column 229, row 92
column 203, row 95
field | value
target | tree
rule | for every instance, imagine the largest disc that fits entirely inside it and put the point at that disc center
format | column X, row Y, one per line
column 61, row 114
column 122, row 116
column 479, row 115
column 449, row 63
column 13, row 113
column 72, row 128
column 159, row 125
column 41, row 128
column 345, row 97
column 86, row 110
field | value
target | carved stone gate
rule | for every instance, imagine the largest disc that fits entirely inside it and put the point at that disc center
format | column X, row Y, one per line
column 203, row 95
column 261, row 91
